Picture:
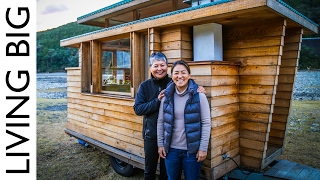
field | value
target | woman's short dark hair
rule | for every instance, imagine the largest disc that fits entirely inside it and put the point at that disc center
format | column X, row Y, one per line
column 157, row 56
column 182, row 62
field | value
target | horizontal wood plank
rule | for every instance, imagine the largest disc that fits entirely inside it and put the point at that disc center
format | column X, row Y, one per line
column 283, row 78
column 256, row 108
column 252, row 162
column 252, row 42
column 255, row 117
column 175, row 36
column 165, row 46
column 136, row 150
column 223, row 110
column 225, row 119
column 289, row 62
column 256, row 60
column 284, row 95
column 223, row 138
column 259, row 70
column 279, row 117
column 252, row 153
column 279, row 126
column 254, row 126
column 254, row 135
column 257, row 51
column 256, row 89
column 288, row 70
column 224, row 129
column 252, row 144
column 184, row 53
column 257, row 98
column 218, row 159
column 225, row 167
column 259, row 80
column 277, row 133
column 224, row 100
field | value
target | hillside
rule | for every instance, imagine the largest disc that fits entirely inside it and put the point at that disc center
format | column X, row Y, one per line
column 50, row 56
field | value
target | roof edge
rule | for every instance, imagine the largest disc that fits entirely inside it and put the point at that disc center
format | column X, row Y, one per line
column 151, row 18
column 293, row 14
column 105, row 9
column 297, row 12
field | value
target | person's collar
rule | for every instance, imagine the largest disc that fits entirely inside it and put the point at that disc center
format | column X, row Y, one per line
column 184, row 92
column 159, row 80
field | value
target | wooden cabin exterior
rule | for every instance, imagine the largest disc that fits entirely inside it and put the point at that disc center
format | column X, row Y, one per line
column 249, row 90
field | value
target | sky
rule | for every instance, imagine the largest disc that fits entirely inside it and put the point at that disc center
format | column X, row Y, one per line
column 54, row 13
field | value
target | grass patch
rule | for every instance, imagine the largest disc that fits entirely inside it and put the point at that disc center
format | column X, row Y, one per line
column 302, row 142
column 51, row 110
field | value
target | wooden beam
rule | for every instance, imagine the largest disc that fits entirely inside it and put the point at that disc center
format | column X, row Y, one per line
column 85, row 55
column 138, row 65
column 106, row 23
column 96, row 66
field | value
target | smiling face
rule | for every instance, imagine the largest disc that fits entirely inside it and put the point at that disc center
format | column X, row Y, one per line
column 159, row 69
column 180, row 77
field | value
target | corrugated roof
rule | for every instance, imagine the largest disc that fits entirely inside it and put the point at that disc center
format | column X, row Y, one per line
column 168, row 14
column 152, row 18
column 105, row 9
column 297, row 12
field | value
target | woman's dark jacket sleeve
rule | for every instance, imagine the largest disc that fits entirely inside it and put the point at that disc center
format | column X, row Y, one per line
column 144, row 103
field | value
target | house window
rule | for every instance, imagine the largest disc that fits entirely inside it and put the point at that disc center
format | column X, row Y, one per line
column 116, row 66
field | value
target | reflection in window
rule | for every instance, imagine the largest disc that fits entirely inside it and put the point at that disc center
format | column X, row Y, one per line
column 116, row 70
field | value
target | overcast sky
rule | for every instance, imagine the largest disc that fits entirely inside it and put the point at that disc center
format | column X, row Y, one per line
column 54, row 13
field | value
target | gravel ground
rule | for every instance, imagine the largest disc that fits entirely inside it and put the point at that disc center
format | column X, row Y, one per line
column 48, row 81
column 306, row 87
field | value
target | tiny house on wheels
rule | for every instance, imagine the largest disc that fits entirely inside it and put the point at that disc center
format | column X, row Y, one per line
column 245, row 54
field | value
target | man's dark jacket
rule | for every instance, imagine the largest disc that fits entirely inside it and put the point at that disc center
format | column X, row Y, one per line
column 147, row 105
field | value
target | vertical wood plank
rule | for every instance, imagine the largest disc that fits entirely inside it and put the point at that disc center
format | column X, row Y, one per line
column 96, row 66
column 137, row 67
column 85, row 67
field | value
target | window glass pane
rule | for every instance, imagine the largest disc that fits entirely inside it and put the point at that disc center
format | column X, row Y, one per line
column 116, row 66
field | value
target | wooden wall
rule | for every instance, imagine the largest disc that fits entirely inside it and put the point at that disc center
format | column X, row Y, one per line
column 113, row 122
column 288, row 69
column 259, row 48
column 109, row 120
column 175, row 42
column 220, row 79
column 249, row 100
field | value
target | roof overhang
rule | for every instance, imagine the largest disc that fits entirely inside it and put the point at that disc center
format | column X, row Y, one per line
column 122, row 11
column 225, row 12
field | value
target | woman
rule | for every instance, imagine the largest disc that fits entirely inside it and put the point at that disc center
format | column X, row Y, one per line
column 147, row 103
column 184, row 125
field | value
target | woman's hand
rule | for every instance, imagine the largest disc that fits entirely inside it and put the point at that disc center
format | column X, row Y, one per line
column 161, row 95
column 162, row 152
column 201, row 89
column 201, row 155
